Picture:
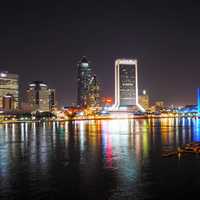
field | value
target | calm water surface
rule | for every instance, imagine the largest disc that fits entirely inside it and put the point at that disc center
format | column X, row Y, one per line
column 103, row 159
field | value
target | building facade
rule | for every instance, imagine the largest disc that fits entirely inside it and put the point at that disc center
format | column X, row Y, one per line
column 9, row 85
column 93, row 93
column 198, row 101
column 83, row 79
column 106, row 101
column 39, row 97
column 8, row 102
column 52, row 99
column 159, row 105
column 144, row 100
column 126, row 85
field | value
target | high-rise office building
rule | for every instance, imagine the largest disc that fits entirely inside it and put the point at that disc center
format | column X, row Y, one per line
column 144, row 100
column 84, row 77
column 39, row 97
column 93, row 93
column 126, row 85
column 9, row 85
column 52, row 99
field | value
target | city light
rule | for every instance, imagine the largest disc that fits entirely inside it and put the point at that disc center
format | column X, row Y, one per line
column 101, row 100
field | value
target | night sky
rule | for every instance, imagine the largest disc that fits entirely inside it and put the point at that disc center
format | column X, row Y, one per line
column 43, row 40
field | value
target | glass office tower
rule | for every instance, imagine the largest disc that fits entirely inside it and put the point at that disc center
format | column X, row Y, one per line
column 126, row 84
column 83, row 79
column 38, row 96
column 94, row 93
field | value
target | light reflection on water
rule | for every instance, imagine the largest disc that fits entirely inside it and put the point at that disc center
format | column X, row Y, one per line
column 107, row 159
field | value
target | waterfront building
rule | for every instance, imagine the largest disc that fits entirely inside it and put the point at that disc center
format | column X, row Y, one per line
column 52, row 99
column 126, row 85
column 192, row 108
column 39, row 97
column 25, row 106
column 93, row 93
column 83, row 79
column 189, row 109
column 8, row 102
column 9, row 85
column 159, row 105
column 144, row 100
column 106, row 101
column 198, row 101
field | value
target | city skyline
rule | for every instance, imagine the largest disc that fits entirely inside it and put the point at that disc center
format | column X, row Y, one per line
column 39, row 45
column 22, row 90
column 99, row 100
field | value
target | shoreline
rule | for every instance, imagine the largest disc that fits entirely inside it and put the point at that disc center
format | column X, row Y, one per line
column 97, row 118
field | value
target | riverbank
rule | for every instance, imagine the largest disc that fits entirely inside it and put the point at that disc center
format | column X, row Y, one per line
column 86, row 118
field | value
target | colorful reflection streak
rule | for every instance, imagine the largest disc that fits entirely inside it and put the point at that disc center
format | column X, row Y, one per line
column 95, row 159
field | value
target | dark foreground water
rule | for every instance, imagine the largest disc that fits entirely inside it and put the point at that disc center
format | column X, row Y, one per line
column 114, row 159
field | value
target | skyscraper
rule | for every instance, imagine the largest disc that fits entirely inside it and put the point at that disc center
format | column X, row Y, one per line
column 39, row 96
column 84, row 77
column 52, row 99
column 93, row 93
column 9, row 85
column 126, row 85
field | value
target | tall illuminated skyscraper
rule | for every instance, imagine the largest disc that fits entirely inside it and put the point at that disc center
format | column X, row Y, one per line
column 93, row 93
column 126, row 85
column 9, row 85
column 83, row 78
